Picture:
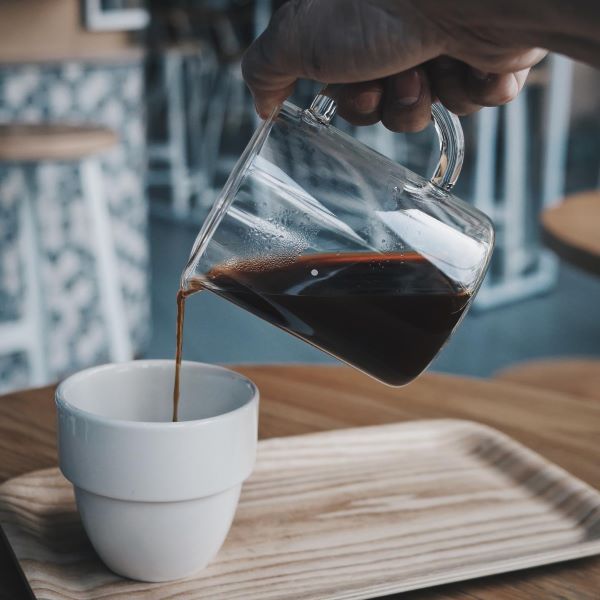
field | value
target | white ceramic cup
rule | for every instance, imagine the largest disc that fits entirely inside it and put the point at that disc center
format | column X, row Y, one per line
column 156, row 498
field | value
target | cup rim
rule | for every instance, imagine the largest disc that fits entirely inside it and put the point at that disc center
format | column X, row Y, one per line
column 63, row 404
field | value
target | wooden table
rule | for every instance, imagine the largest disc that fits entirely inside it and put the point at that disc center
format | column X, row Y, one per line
column 578, row 377
column 572, row 230
column 301, row 399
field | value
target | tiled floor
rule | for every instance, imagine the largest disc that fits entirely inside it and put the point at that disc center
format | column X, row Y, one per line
column 564, row 322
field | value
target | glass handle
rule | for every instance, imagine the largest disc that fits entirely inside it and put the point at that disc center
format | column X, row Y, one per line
column 447, row 126
column 452, row 146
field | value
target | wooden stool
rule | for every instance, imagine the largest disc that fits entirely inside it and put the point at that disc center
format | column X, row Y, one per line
column 24, row 147
column 572, row 230
column 576, row 377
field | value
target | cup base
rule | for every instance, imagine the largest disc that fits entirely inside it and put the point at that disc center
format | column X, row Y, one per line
column 157, row 541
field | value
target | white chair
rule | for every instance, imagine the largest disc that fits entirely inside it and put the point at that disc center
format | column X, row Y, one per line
column 522, row 268
column 184, row 91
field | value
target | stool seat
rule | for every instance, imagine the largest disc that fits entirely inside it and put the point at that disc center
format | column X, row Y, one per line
column 572, row 230
column 576, row 377
column 52, row 142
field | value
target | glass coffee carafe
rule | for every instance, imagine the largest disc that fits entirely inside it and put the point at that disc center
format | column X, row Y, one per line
column 325, row 238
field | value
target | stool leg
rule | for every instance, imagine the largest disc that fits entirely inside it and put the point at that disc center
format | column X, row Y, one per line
column 33, row 305
column 215, row 124
column 176, row 116
column 111, row 296
column 196, row 75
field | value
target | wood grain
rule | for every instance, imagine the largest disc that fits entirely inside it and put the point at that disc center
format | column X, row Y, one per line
column 576, row 377
column 38, row 31
column 29, row 142
column 571, row 230
column 302, row 399
column 340, row 515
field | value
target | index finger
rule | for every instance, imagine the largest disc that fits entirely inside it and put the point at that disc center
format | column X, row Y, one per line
column 269, row 85
column 265, row 65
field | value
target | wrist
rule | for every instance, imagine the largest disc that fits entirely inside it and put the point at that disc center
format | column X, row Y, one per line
column 572, row 28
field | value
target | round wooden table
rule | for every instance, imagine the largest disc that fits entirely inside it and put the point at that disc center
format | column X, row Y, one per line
column 572, row 230
column 301, row 399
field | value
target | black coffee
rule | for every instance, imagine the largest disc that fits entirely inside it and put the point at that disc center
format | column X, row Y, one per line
column 386, row 314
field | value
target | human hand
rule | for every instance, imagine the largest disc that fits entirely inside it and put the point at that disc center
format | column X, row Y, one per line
column 390, row 58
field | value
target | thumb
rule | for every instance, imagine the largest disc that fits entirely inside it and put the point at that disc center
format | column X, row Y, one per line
column 301, row 42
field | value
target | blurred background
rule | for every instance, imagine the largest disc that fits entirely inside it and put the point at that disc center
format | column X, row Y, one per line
column 131, row 114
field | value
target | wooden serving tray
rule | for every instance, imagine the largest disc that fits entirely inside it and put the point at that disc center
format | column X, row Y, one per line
column 347, row 514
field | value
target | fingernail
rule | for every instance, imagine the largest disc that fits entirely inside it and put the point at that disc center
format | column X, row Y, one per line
column 480, row 75
column 408, row 88
column 367, row 102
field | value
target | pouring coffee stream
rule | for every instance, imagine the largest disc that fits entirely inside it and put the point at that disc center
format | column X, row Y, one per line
column 324, row 238
column 181, row 296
